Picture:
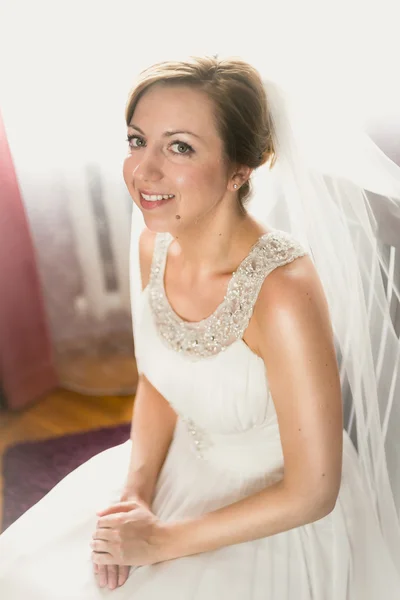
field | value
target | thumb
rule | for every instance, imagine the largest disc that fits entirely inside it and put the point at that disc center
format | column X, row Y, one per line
column 119, row 507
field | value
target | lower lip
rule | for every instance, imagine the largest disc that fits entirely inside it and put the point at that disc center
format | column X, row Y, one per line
column 152, row 205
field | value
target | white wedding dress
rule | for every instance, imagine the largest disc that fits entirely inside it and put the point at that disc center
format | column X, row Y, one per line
column 226, row 445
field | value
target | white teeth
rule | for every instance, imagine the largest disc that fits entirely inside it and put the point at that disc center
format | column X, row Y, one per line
column 155, row 197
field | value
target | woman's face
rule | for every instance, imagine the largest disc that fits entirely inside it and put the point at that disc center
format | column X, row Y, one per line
column 174, row 149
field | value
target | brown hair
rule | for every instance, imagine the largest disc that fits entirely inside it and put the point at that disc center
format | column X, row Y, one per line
column 241, row 108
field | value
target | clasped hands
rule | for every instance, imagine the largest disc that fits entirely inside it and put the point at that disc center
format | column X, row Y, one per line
column 127, row 534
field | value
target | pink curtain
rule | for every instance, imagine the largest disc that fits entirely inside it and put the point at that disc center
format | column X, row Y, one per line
column 26, row 364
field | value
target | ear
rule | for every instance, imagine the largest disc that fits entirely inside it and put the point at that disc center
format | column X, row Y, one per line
column 241, row 174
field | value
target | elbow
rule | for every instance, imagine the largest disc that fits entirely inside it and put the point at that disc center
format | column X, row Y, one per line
column 326, row 507
column 318, row 505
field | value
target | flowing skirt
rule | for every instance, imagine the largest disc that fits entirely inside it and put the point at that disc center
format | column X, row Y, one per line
column 45, row 554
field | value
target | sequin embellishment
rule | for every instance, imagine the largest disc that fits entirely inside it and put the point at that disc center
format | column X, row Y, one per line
column 200, row 438
column 231, row 318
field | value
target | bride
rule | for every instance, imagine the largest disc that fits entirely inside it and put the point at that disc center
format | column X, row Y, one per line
column 239, row 477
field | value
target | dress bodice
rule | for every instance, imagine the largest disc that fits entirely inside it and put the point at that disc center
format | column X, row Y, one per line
column 205, row 370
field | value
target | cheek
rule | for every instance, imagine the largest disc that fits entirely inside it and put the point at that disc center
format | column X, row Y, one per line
column 185, row 181
column 198, row 178
column 128, row 171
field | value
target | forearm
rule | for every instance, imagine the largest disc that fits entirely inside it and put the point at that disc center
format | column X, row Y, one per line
column 152, row 429
column 268, row 512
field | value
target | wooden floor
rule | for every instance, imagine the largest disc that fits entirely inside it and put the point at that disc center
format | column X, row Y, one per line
column 59, row 413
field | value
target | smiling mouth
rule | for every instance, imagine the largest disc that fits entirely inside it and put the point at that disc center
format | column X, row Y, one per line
column 156, row 197
column 151, row 202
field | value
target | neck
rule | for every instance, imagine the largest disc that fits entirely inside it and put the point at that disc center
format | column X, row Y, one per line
column 217, row 242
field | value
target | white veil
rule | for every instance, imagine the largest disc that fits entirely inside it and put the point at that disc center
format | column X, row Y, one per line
column 327, row 187
column 330, row 187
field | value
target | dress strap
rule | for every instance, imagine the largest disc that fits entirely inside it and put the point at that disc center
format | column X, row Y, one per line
column 274, row 249
column 161, row 243
column 231, row 318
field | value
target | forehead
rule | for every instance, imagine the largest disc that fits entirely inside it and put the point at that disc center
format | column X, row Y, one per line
column 165, row 107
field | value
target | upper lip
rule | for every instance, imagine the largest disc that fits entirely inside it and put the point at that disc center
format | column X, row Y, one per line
column 148, row 193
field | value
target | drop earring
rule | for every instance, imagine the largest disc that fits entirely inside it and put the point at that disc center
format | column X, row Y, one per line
column 235, row 185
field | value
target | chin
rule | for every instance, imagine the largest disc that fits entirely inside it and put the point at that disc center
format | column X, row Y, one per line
column 159, row 224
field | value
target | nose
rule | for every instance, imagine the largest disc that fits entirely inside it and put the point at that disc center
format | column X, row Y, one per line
column 148, row 166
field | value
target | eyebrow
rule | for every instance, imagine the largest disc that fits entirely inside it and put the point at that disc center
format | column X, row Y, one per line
column 166, row 133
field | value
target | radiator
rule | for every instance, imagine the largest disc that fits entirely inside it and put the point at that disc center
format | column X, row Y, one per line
column 100, row 218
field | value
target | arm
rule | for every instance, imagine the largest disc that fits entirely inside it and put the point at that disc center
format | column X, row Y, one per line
column 153, row 419
column 152, row 429
column 295, row 339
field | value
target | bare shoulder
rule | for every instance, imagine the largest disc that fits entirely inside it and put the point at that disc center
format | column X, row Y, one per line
column 295, row 340
column 146, row 249
column 292, row 306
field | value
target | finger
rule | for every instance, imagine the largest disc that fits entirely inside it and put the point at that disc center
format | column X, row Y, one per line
column 119, row 507
column 111, row 521
column 103, row 558
column 100, row 546
column 112, row 573
column 106, row 534
column 105, row 511
column 123, row 574
column 95, row 568
column 102, row 575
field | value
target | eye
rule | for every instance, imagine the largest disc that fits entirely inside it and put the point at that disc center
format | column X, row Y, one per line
column 187, row 149
column 184, row 145
column 130, row 139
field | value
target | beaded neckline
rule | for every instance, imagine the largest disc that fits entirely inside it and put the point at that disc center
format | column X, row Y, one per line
column 230, row 319
column 234, row 276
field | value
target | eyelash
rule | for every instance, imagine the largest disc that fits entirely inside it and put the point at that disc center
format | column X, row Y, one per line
column 190, row 149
